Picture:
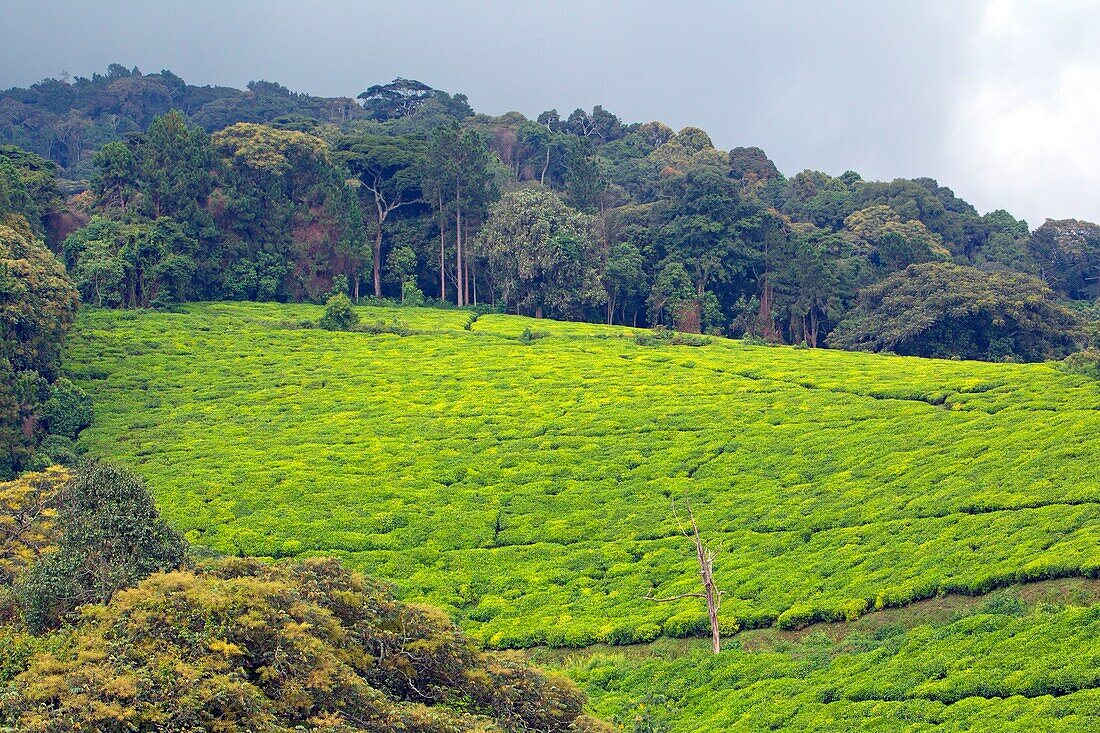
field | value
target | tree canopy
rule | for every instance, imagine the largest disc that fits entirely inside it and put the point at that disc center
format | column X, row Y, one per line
column 946, row 310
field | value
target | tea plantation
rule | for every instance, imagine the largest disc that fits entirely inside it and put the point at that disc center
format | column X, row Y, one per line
column 527, row 485
column 1000, row 663
column 524, row 475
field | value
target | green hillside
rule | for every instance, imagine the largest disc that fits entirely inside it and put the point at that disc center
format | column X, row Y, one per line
column 528, row 487
column 522, row 474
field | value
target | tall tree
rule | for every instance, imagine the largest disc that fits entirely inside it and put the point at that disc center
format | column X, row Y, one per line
column 939, row 309
column 1068, row 254
column 459, row 172
column 177, row 167
column 542, row 254
column 390, row 172
column 698, row 227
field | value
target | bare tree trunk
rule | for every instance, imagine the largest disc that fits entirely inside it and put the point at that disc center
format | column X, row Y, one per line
column 378, row 258
column 466, row 263
column 713, row 595
column 710, row 593
column 545, row 166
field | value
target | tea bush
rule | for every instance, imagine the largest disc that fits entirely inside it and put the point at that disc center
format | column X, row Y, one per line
column 528, row 488
column 982, row 670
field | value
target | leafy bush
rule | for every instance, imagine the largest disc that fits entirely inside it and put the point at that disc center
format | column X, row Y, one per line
column 109, row 537
column 68, row 409
column 28, row 510
column 56, row 450
column 411, row 295
column 339, row 315
column 1086, row 363
column 661, row 336
column 394, row 326
column 939, row 309
column 528, row 336
column 247, row 646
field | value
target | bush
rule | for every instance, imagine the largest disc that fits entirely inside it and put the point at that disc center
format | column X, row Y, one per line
column 395, row 326
column 110, row 537
column 339, row 314
column 528, row 336
column 411, row 295
column 68, row 409
column 244, row 645
column 661, row 336
column 57, row 450
column 1085, row 363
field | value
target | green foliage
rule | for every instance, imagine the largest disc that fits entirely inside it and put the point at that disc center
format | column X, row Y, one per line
column 68, row 409
column 37, row 305
column 28, row 510
column 540, row 250
column 339, row 314
column 1069, row 254
column 1086, row 363
column 244, row 646
column 995, row 666
column 945, row 310
column 661, row 336
column 28, row 187
column 835, row 481
column 110, row 536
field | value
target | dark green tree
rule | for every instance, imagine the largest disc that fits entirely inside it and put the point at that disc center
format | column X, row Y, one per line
column 938, row 309
column 110, row 537
column 541, row 254
column 390, row 171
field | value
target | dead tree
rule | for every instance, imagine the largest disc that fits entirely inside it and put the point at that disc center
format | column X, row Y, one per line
column 713, row 596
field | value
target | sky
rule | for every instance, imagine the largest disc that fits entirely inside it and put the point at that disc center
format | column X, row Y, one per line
column 997, row 99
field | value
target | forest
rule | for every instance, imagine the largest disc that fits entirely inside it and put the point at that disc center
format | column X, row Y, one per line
column 379, row 413
column 154, row 191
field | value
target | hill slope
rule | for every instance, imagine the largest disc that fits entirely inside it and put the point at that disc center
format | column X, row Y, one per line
column 527, row 486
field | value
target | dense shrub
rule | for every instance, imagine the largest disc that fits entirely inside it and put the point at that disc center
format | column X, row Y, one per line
column 55, row 450
column 28, row 510
column 109, row 537
column 339, row 314
column 938, row 309
column 37, row 305
column 245, row 646
column 1086, row 363
column 661, row 336
column 68, row 410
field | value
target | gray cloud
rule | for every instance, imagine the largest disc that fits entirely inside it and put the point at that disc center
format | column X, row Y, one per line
column 886, row 88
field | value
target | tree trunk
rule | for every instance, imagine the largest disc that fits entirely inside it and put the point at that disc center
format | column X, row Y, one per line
column 378, row 259
column 545, row 166
column 442, row 255
column 458, row 247
column 466, row 264
column 710, row 593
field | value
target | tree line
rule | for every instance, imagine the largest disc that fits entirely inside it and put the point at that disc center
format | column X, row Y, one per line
column 406, row 193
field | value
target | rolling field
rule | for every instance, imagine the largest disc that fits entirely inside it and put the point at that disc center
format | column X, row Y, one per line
column 526, row 485
column 527, row 488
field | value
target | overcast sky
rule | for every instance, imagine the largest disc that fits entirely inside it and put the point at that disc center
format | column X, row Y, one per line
column 997, row 99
